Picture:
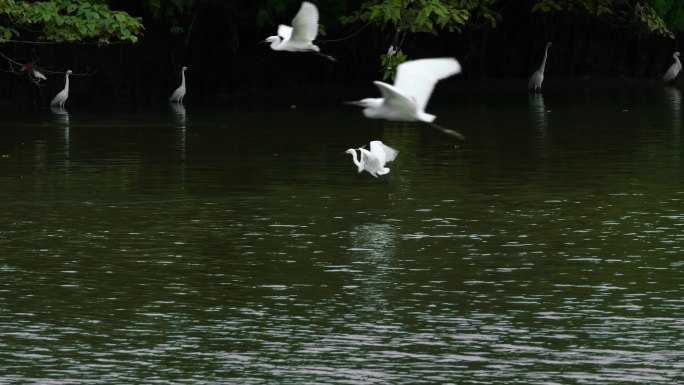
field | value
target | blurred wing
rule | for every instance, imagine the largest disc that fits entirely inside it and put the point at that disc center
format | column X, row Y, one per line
column 417, row 78
column 305, row 23
column 396, row 98
column 370, row 162
column 383, row 152
column 285, row 31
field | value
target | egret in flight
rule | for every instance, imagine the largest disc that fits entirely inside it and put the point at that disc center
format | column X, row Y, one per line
column 63, row 95
column 179, row 93
column 535, row 83
column 300, row 36
column 674, row 69
column 405, row 101
column 374, row 161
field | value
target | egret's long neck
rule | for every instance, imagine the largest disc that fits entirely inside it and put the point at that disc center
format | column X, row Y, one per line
column 356, row 160
column 66, row 83
column 183, row 78
column 543, row 63
column 677, row 60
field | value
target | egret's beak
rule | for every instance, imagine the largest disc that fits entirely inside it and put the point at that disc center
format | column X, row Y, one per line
column 261, row 42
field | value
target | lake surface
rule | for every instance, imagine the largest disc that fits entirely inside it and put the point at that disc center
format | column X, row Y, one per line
column 239, row 245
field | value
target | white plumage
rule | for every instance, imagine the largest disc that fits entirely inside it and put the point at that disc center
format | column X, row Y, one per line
column 178, row 95
column 537, row 77
column 63, row 95
column 300, row 36
column 373, row 161
column 674, row 69
column 405, row 101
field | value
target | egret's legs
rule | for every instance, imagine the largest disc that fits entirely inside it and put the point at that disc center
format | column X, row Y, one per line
column 326, row 56
column 387, row 186
column 447, row 131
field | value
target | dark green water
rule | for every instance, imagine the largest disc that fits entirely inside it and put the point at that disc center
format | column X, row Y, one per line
column 241, row 246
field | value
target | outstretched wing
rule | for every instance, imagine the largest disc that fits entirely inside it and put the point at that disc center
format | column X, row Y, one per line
column 285, row 31
column 417, row 78
column 384, row 153
column 305, row 23
column 370, row 162
column 397, row 99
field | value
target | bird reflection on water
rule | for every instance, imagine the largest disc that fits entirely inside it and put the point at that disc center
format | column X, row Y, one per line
column 673, row 97
column 538, row 111
column 61, row 118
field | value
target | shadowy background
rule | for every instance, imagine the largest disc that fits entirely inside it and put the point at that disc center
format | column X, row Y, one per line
column 219, row 45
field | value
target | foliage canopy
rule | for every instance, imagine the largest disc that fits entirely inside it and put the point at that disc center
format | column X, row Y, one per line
column 66, row 21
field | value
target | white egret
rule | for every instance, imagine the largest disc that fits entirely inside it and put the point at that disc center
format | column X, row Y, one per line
column 405, row 101
column 535, row 83
column 374, row 161
column 300, row 36
column 674, row 69
column 179, row 93
column 63, row 95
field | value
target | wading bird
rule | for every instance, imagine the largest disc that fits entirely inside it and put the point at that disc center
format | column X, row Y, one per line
column 63, row 95
column 374, row 161
column 405, row 101
column 179, row 93
column 674, row 69
column 300, row 36
column 535, row 83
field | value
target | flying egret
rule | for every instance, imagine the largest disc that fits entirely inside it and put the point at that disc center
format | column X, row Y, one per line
column 179, row 93
column 300, row 36
column 405, row 101
column 535, row 83
column 374, row 161
column 674, row 69
column 63, row 95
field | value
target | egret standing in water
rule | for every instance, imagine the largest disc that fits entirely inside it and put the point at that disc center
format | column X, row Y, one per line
column 179, row 93
column 374, row 161
column 674, row 69
column 63, row 95
column 535, row 83
column 405, row 101
column 300, row 36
